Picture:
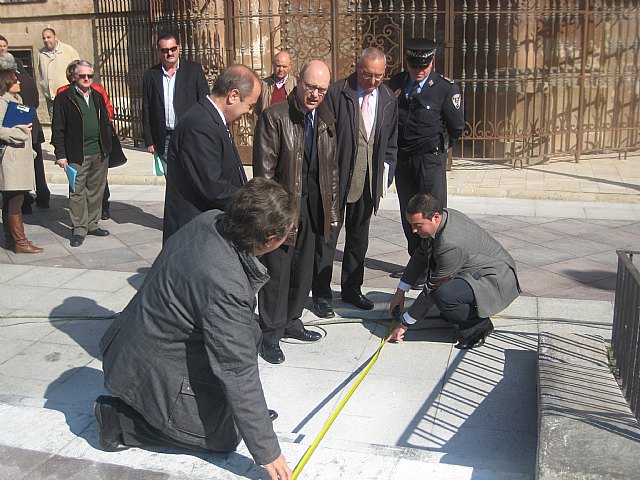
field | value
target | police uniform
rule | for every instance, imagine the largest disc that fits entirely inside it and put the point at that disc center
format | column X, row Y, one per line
column 430, row 120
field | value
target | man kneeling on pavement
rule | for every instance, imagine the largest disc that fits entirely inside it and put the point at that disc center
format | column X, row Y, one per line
column 182, row 357
column 470, row 276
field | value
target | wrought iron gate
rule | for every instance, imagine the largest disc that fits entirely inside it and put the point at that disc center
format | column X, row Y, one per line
column 541, row 79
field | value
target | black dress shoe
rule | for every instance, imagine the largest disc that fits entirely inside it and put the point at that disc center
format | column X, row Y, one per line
column 110, row 434
column 323, row 310
column 273, row 415
column 358, row 299
column 397, row 274
column 99, row 232
column 76, row 240
column 41, row 203
column 475, row 341
column 304, row 335
column 272, row 353
column 105, row 215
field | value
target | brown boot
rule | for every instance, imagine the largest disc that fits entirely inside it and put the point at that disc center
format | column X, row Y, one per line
column 20, row 239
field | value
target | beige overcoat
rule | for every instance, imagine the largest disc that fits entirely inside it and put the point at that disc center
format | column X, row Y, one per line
column 16, row 166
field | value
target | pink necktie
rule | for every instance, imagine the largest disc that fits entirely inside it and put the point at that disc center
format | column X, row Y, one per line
column 366, row 114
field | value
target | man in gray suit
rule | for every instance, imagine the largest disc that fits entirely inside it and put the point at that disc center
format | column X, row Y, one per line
column 470, row 276
column 182, row 358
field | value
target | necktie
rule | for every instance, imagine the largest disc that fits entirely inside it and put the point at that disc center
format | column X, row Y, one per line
column 414, row 90
column 308, row 141
column 366, row 114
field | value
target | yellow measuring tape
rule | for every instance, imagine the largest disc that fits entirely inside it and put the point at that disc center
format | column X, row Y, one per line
column 307, row 455
column 325, row 428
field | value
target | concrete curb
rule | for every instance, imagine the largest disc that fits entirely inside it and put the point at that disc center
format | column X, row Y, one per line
column 586, row 429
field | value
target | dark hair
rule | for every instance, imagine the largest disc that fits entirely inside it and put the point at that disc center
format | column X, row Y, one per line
column 4, row 39
column 425, row 204
column 259, row 209
column 49, row 29
column 167, row 36
column 7, row 79
column 236, row 76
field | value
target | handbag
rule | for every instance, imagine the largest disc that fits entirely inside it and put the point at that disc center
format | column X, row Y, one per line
column 117, row 156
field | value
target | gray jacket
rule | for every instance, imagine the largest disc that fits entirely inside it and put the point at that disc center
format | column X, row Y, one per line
column 184, row 351
column 463, row 249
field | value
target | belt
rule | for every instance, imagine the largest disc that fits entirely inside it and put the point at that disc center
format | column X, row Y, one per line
column 168, row 131
column 435, row 151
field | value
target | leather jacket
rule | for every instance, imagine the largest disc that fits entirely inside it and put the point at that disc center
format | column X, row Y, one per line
column 278, row 154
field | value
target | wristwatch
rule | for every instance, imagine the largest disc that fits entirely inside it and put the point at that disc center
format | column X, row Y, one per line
column 405, row 324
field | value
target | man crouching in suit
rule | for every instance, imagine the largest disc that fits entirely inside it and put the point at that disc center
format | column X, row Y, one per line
column 470, row 276
column 182, row 358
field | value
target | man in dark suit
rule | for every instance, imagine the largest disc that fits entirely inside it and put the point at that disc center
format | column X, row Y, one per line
column 169, row 89
column 206, row 170
column 366, row 113
column 31, row 97
column 182, row 357
column 470, row 276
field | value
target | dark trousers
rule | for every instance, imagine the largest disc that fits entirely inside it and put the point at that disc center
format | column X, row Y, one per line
column 105, row 196
column 356, row 224
column 425, row 173
column 282, row 299
column 42, row 190
column 457, row 304
column 137, row 432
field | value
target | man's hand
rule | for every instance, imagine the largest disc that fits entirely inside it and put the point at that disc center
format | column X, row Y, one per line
column 334, row 224
column 150, row 149
column 62, row 163
column 396, row 301
column 397, row 334
column 278, row 469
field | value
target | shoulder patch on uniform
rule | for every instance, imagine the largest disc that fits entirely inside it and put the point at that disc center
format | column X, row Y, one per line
column 456, row 100
column 447, row 79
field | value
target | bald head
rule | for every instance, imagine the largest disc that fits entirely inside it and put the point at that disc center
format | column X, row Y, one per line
column 281, row 65
column 313, row 83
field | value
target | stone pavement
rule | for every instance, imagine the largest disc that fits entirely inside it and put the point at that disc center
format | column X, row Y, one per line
column 426, row 410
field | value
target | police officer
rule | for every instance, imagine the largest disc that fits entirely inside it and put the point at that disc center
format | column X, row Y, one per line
column 430, row 121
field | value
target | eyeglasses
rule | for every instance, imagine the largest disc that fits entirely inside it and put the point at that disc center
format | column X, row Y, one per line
column 85, row 75
column 167, row 50
column 313, row 88
column 369, row 76
column 419, row 67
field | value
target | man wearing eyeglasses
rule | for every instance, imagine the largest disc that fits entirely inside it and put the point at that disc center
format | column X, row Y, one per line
column 81, row 137
column 430, row 122
column 366, row 112
column 295, row 145
column 169, row 89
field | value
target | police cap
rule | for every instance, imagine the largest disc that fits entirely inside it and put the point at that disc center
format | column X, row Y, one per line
column 420, row 51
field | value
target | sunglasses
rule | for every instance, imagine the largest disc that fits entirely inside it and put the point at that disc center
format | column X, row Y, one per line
column 85, row 75
column 167, row 50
